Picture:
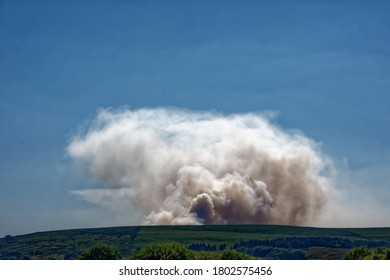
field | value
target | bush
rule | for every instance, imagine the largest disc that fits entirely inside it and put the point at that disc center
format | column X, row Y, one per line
column 362, row 253
column 179, row 252
column 359, row 253
column 387, row 254
column 206, row 256
column 233, row 255
column 164, row 252
column 101, row 252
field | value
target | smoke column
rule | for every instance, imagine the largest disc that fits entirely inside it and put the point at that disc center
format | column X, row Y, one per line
column 183, row 167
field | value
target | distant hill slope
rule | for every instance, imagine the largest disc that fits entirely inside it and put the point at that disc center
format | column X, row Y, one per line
column 264, row 241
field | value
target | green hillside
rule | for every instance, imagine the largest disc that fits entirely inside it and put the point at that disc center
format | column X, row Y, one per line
column 262, row 241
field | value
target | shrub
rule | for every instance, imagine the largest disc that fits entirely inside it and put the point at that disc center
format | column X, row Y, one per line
column 233, row 255
column 101, row 252
column 179, row 252
column 362, row 253
column 359, row 253
column 164, row 252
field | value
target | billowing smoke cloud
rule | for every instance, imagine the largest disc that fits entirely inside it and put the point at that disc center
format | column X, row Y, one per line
column 182, row 167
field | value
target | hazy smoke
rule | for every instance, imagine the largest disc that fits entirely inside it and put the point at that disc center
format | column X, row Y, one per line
column 182, row 167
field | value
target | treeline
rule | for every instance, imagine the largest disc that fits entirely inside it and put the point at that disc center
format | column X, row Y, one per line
column 289, row 248
column 292, row 248
column 206, row 247
column 307, row 242
column 160, row 252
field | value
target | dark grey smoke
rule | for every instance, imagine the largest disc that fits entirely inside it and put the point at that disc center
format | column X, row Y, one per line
column 182, row 167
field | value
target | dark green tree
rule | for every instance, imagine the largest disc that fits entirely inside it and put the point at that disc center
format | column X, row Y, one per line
column 358, row 254
column 164, row 252
column 378, row 257
column 362, row 253
column 387, row 254
column 207, row 255
column 180, row 252
column 234, row 255
column 100, row 252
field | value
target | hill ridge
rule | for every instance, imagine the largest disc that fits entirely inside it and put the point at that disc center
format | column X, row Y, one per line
column 70, row 243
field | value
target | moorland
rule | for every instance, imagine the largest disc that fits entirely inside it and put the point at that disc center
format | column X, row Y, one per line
column 259, row 241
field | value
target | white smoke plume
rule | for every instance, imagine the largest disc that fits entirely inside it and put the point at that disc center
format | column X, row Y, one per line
column 183, row 167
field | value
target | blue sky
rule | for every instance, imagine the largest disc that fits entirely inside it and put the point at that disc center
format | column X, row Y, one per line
column 324, row 66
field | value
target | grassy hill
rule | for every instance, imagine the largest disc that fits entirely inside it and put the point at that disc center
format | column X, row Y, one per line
column 263, row 241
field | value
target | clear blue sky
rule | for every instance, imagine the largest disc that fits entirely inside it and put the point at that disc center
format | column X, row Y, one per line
column 323, row 65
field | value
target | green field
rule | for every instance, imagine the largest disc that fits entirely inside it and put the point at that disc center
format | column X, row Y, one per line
column 262, row 241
